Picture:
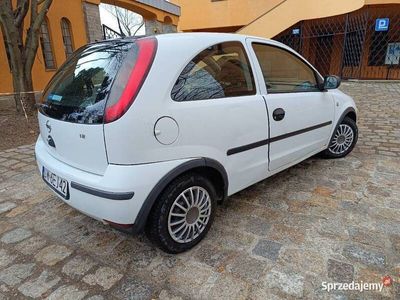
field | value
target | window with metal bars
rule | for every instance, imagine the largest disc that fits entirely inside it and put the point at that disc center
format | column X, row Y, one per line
column 67, row 37
column 377, row 48
column 353, row 47
column 291, row 39
column 350, row 45
column 46, row 44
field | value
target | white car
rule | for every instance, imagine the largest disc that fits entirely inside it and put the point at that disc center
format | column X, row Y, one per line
column 151, row 133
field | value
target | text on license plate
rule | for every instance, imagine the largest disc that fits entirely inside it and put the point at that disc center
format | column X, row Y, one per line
column 60, row 185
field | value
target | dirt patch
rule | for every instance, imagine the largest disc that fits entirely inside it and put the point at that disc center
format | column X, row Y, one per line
column 15, row 129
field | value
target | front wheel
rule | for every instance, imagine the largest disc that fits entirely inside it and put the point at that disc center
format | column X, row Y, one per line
column 344, row 139
column 183, row 214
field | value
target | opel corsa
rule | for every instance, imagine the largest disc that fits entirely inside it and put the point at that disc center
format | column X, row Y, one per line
column 151, row 133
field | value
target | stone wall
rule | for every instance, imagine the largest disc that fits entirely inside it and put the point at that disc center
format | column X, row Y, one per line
column 93, row 22
column 94, row 28
column 156, row 27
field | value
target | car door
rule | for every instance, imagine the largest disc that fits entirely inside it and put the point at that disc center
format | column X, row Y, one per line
column 220, row 113
column 300, row 114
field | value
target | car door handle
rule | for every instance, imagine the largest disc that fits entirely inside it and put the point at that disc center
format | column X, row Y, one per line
column 278, row 114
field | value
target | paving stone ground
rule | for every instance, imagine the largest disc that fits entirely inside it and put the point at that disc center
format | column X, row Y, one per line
column 379, row 124
column 322, row 220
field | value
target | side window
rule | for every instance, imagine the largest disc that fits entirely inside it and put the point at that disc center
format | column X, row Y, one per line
column 284, row 72
column 220, row 71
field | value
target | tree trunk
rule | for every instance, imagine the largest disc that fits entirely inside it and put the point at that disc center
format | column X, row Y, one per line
column 23, row 89
column 22, row 52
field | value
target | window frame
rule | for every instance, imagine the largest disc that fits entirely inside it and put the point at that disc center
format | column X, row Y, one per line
column 249, row 63
column 49, row 33
column 71, row 35
column 318, row 77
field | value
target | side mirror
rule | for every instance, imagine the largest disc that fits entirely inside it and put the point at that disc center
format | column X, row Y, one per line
column 331, row 82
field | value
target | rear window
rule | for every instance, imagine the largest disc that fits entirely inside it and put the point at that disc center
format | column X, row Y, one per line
column 79, row 91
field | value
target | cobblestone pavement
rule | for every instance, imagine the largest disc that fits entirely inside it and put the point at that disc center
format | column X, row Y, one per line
column 379, row 124
column 323, row 220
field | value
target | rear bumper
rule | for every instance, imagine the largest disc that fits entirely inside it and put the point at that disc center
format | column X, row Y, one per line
column 115, row 196
column 101, row 193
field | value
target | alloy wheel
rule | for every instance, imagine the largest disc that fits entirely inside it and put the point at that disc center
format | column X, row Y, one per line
column 342, row 139
column 189, row 214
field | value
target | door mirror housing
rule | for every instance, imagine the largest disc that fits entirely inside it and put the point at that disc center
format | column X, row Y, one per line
column 331, row 82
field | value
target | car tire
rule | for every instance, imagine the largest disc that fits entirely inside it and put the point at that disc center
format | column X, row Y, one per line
column 343, row 140
column 192, row 192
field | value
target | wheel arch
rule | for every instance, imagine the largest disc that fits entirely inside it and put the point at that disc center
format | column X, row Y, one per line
column 211, row 168
column 348, row 112
column 351, row 113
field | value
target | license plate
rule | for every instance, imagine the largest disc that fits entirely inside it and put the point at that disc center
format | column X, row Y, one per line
column 58, row 184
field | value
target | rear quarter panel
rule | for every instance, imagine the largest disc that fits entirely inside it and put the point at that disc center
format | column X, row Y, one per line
column 130, row 139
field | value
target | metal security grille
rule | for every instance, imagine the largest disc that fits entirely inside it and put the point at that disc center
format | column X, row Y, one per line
column 363, row 44
column 109, row 33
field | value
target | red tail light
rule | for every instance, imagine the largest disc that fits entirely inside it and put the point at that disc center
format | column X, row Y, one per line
column 146, row 51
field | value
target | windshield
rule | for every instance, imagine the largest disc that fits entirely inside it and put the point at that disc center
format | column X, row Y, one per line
column 79, row 90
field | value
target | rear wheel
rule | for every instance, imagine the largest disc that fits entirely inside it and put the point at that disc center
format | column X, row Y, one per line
column 344, row 139
column 183, row 214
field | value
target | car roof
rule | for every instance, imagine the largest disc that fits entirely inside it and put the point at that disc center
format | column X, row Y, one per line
column 215, row 37
column 189, row 35
column 205, row 35
column 208, row 38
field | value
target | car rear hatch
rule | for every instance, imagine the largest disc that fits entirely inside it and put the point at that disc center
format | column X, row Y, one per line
column 72, row 113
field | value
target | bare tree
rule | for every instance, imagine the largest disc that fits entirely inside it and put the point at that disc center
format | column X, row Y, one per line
column 129, row 22
column 20, row 46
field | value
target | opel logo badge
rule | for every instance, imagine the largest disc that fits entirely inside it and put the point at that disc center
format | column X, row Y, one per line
column 48, row 126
